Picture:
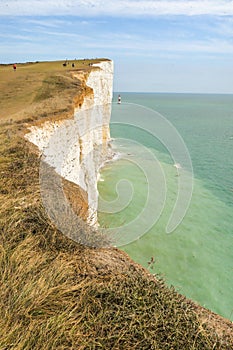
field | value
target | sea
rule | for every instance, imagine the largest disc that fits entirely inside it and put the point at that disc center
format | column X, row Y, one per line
column 167, row 198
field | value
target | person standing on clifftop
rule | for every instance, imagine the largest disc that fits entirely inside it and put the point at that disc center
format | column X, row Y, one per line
column 119, row 99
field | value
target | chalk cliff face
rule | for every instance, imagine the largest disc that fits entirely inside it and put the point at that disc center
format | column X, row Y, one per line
column 76, row 148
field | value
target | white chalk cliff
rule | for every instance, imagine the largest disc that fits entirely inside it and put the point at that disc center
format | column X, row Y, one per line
column 77, row 148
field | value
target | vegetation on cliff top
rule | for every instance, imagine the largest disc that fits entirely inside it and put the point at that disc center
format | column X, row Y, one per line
column 56, row 294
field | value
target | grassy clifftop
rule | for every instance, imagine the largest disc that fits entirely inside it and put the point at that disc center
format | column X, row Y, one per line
column 56, row 294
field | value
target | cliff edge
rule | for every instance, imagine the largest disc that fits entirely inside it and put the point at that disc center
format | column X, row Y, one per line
column 76, row 148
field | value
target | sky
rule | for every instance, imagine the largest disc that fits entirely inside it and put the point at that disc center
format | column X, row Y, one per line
column 156, row 45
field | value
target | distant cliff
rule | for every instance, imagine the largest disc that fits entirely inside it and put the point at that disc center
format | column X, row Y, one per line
column 76, row 148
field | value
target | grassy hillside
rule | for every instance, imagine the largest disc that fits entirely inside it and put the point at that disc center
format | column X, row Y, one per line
column 23, row 90
column 56, row 294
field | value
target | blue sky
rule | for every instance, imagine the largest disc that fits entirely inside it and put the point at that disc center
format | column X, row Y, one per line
column 156, row 45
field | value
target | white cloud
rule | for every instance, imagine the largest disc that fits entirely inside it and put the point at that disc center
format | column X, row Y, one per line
column 116, row 8
column 142, row 47
column 51, row 23
column 17, row 37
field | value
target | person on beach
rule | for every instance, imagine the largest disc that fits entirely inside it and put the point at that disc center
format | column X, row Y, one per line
column 119, row 99
column 14, row 67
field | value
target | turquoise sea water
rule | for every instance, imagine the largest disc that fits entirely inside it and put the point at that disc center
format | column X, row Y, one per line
column 197, row 257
